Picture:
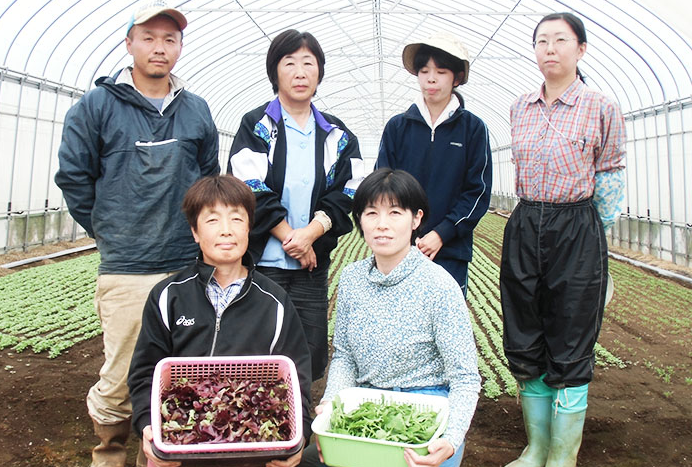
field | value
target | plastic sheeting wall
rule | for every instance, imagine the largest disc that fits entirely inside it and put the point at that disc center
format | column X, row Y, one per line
column 657, row 216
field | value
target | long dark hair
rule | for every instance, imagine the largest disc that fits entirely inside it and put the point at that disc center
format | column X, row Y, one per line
column 574, row 23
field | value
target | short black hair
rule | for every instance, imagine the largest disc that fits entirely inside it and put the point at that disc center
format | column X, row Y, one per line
column 225, row 189
column 285, row 44
column 441, row 58
column 396, row 186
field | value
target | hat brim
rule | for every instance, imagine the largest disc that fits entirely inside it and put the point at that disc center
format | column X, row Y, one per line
column 410, row 51
column 172, row 13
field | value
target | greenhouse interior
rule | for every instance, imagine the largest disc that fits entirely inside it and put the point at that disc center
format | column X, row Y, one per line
column 639, row 53
column 635, row 361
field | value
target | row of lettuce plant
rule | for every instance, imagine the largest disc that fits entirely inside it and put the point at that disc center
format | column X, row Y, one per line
column 483, row 300
column 351, row 248
column 50, row 307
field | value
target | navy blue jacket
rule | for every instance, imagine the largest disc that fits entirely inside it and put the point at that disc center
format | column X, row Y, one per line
column 124, row 169
column 454, row 167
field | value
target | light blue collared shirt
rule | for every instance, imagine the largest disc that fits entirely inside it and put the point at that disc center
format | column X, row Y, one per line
column 298, row 185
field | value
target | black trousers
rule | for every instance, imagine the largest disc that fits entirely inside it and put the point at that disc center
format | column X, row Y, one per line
column 308, row 292
column 553, row 279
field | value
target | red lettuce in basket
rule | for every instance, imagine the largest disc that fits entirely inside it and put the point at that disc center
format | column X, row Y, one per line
column 218, row 409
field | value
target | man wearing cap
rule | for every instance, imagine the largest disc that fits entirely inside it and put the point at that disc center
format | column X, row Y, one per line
column 130, row 149
column 446, row 148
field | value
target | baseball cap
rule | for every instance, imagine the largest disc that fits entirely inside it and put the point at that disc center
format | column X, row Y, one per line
column 151, row 9
column 442, row 41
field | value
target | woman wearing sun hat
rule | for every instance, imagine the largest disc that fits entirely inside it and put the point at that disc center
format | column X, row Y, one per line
column 446, row 148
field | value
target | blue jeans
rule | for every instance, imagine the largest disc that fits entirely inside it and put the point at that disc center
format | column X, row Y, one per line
column 308, row 293
column 311, row 456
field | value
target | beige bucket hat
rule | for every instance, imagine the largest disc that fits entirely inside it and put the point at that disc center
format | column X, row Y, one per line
column 443, row 41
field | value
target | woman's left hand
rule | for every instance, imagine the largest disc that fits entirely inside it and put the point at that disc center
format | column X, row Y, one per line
column 308, row 261
column 430, row 244
column 290, row 462
column 298, row 242
column 439, row 451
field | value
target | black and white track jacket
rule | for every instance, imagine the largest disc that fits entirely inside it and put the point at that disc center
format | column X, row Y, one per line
column 180, row 321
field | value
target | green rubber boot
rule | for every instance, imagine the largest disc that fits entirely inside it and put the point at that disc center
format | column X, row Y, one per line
column 565, row 439
column 567, row 426
column 537, row 413
column 537, row 408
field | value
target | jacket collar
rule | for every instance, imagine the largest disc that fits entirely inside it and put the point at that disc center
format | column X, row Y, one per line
column 206, row 271
column 414, row 112
column 176, row 85
column 273, row 110
column 446, row 114
column 121, row 86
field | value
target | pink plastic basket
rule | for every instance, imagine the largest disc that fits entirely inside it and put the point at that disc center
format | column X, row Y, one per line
column 264, row 369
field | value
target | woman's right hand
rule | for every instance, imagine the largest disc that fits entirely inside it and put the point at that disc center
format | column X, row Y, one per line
column 320, row 408
column 147, row 439
column 439, row 451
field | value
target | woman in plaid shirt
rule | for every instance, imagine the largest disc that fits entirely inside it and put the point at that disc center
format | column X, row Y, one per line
column 568, row 148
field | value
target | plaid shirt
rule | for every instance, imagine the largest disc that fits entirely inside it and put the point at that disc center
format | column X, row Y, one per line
column 219, row 297
column 557, row 151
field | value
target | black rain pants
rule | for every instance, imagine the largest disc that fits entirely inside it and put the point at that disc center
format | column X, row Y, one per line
column 553, row 281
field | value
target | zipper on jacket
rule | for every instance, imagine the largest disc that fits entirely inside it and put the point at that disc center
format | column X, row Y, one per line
column 218, row 318
column 216, row 333
column 432, row 135
column 217, row 328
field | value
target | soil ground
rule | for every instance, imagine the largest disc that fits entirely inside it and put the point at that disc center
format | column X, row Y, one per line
column 634, row 419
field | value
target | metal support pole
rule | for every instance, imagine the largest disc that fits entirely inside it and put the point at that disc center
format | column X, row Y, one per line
column 671, row 192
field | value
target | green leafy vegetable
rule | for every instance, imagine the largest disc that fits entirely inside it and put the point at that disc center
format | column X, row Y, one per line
column 402, row 423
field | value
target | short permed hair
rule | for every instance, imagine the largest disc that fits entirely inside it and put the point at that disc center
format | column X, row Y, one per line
column 285, row 44
column 209, row 191
column 395, row 186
